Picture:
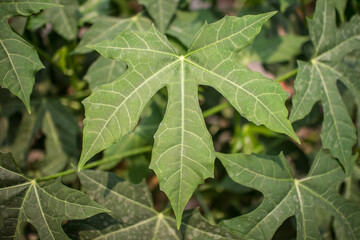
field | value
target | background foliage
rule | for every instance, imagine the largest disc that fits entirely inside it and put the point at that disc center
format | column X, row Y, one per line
column 283, row 191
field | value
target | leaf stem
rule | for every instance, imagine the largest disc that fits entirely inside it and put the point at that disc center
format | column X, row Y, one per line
column 287, row 75
column 215, row 109
column 129, row 153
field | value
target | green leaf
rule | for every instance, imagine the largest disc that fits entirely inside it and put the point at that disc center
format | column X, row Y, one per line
column 161, row 11
column 44, row 205
column 18, row 59
column 60, row 129
column 183, row 153
column 63, row 20
column 107, row 28
column 142, row 135
column 272, row 50
column 133, row 214
column 187, row 23
column 104, row 70
column 10, row 8
column 285, row 196
column 92, row 9
column 316, row 81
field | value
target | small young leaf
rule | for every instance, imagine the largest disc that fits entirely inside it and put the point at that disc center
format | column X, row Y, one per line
column 183, row 152
column 316, row 81
column 285, row 196
column 133, row 215
column 44, row 205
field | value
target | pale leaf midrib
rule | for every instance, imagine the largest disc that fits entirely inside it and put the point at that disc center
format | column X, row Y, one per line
column 323, row 28
column 68, row 203
column 301, row 208
column 42, row 212
column 331, row 111
column 298, row 106
column 16, row 74
column 182, row 79
column 138, row 49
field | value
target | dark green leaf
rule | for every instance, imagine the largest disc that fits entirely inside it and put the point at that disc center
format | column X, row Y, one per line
column 44, row 205
column 316, row 81
column 285, row 196
column 133, row 214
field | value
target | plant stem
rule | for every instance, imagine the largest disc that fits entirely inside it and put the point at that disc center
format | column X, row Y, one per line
column 215, row 109
column 287, row 75
column 129, row 153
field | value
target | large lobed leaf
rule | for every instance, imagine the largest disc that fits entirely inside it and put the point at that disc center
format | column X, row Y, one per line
column 133, row 215
column 18, row 59
column 317, row 80
column 44, row 205
column 285, row 196
column 183, row 153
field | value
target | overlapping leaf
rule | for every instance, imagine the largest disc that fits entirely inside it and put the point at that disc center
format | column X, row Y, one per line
column 59, row 127
column 316, row 81
column 161, row 11
column 45, row 205
column 272, row 50
column 63, row 20
column 186, row 23
column 105, row 70
column 106, row 28
column 285, row 196
column 18, row 59
column 90, row 10
column 133, row 215
column 183, row 153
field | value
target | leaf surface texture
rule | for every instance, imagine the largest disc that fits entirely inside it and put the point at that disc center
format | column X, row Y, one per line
column 317, row 80
column 183, row 153
column 44, row 205
column 285, row 196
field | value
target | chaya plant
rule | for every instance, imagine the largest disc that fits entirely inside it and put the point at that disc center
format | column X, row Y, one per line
column 183, row 153
column 138, row 61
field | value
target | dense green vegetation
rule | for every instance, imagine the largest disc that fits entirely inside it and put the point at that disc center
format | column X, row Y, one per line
column 179, row 119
